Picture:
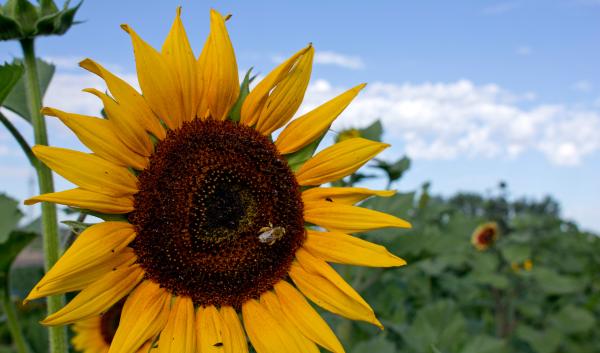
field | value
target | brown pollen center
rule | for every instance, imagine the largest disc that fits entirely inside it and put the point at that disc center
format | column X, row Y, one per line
column 218, row 215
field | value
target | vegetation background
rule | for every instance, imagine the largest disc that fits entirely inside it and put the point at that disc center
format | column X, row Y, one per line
column 450, row 298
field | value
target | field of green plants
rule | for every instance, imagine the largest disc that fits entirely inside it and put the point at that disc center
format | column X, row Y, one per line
column 536, row 289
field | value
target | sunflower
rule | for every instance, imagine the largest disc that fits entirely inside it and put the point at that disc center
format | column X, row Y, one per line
column 94, row 335
column 485, row 235
column 207, row 218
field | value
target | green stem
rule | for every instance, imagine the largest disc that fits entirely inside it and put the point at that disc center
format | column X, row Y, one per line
column 20, row 140
column 13, row 322
column 57, row 335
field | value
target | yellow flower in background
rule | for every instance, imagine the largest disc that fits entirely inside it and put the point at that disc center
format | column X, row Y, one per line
column 94, row 335
column 485, row 235
column 213, row 215
column 528, row 265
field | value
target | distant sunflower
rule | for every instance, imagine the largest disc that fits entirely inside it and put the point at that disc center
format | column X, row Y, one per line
column 485, row 235
column 215, row 215
column 94, row 335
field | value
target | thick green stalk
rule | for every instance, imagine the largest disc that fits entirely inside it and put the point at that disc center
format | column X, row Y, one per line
column 13, row 322
column 57, row 335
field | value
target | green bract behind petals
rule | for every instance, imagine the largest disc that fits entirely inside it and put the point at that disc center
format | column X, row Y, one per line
column 20, row 19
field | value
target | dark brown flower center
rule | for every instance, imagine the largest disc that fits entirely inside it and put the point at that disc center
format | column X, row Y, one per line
column 109, row 322
column 486, row 236
column 219, row 214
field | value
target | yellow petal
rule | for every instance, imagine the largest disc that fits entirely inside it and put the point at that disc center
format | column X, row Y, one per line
column 234, row 338
column 129, row 99
column 285, row 99
column 88, row 200
column 179, row 334
column 347, row 196
column 270, row 301
column 210, row 330
column 349, row 219
column 144, row 315
column 218, row 73
column 158, row 82
column 308, row 127
column 95, row 245
column 81, row 279
column 88, row 171
column 179, row 56
column 100, row 137
column 260, row 99
column 126, row 128
column 345, row 249
column 338, row 161
column 99, row 296
column 326, row 288
column 310, row 323
column 265, row 332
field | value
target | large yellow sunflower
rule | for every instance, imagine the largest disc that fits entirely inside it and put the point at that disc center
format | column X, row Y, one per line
column 217, row 219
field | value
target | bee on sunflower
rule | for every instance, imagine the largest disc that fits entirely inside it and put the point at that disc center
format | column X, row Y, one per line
column 217, row 220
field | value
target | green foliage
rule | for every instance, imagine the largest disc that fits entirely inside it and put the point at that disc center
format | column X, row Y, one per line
column 16, row 101
column 236, row 110
column 536, row 290
column 9, row 76
column 20, row 19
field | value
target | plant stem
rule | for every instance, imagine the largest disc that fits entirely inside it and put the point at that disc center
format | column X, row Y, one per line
column 13, row 322
column 57, row 335
column 20, row 140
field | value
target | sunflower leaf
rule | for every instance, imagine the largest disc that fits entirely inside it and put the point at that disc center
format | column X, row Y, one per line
column 9, row 76
column 17, row 100
column 236, row 110
column 372, row 132
column 9, row 217
column 16, row 242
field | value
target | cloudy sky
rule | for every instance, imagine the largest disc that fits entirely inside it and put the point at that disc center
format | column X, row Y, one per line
column 473, row 91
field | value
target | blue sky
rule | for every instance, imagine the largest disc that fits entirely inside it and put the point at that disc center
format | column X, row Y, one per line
column 475, row 91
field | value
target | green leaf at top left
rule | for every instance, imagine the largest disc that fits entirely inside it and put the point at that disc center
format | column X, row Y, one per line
column 17, row 100
column 9, row 76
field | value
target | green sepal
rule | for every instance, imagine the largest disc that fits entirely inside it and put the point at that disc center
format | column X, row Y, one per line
column 236, row 110
column 57, row 23
column 48, row 7
column 76, row 226
column 24, row 13
column 16, row 101
column 9, row 76
column 106, row 216
column 20, row 19
column 297, row 159
column 10, row 28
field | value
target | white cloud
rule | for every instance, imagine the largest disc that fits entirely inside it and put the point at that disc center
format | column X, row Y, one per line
column 583, row 86
column 337, row 59
column 524, row 50
column 460, row 119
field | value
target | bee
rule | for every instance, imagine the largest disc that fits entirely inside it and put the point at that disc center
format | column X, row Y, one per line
column 270, row 234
